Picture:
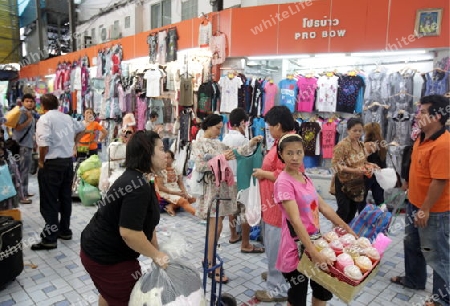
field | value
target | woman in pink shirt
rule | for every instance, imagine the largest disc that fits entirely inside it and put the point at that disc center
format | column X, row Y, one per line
column 300, row 206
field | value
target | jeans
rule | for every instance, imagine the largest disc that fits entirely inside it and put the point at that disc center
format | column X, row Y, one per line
column 24, row 167
column 275, row 280
column 55, row 189
column 429, row 245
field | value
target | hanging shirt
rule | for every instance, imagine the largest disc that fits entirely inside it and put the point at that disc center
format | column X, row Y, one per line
column 172, row 45
column 258, row 127
column 270, row 92
column 348, row 91
column 152, row 41
column 229, row 90
column 306, row 94
column 153, row 78
column 328, row 139
column 204, row 34
column 377, row 88
column 162, row 47
column 217, row 46
column 327, row 93
column 309, row 133
column 289, row 90
column 437, row 83
column 186, row 91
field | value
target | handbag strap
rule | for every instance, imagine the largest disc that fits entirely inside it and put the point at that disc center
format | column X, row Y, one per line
column 25, row 135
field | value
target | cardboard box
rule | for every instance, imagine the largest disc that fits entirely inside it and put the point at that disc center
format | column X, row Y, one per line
column 339, row 288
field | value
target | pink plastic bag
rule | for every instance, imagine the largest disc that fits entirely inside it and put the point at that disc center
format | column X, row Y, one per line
column 381, row 243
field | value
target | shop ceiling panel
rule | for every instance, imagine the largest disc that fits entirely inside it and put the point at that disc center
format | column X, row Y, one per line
column 364, row 23
column 302, row 26
column 402, row 21
column 254, row 31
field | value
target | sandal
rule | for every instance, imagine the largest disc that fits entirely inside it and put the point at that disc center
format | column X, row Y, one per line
column 235, row 241
column 170, row 212
column 254, row 250
column 223, row 279
column 400, row 280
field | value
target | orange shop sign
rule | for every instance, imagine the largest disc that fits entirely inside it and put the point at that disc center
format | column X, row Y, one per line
column 320, row 28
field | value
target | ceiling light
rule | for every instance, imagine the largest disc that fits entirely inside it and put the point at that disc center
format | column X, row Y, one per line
column 330, row 55
column 272, row 57
column 389, row 53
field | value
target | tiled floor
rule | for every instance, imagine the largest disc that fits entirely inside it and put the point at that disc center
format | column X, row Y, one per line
column 61, row 280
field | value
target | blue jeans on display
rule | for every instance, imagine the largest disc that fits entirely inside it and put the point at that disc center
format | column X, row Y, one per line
column 429, row 245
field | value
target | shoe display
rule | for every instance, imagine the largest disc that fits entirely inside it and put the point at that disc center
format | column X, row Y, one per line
column 44, row 246
column 264, row 296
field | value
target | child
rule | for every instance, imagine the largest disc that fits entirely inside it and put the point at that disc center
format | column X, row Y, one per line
column 300, row 205
column 171, row 188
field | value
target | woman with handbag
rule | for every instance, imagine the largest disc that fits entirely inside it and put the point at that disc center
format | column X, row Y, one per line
column 300, row 205
column 87, row 145
column 350, row 164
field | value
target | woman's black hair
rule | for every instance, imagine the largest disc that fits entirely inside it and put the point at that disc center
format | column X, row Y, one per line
column 211, row 120
column 288, row 138
column 140, row 149
column 281, row 115
column 171, row 154
column 352, row 122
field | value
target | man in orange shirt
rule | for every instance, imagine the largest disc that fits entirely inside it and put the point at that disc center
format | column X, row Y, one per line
column 428, row 213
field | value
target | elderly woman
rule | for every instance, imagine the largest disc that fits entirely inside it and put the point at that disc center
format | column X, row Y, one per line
column 203, row 150
column 123, row 228
column 350, row 163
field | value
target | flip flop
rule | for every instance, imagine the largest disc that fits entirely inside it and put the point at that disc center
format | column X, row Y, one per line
column 254, row 250
column 221, row 278
column 400, row 280
column 169, row 212
column 235, row 241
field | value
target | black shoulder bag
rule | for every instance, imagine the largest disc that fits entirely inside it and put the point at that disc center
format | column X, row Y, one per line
column 13, row 145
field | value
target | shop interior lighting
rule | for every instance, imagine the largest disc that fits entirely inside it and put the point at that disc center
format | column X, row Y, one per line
column 330, row 55
column 388, row 53
column 273, row 57
column 50, row 76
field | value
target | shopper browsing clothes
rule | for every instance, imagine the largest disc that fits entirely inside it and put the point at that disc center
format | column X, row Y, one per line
column 24, row 133
column 123, row 228
column 56, row 135
column 171, row 188
column 203, row 151
column 376, row 151
column 350, row 163
column 300, row 206
column 88, row 143
column 428, row 212
column 235, row 139
column 281, row 122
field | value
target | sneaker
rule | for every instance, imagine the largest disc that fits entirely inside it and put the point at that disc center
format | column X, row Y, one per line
column 65, row 237
column 43, row 246
column 264, row 296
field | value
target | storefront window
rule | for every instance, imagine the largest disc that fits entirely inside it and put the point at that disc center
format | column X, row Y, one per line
column 189, row 9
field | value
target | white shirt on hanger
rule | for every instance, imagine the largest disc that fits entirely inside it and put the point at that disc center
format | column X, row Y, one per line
column 327, row 93
column 153, row 83
column 229, row 93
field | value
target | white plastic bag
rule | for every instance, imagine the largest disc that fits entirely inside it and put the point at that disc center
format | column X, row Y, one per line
column 253, row 206
column 387, row 178
column 195, row 182
column 117, row 151
column 103, row 184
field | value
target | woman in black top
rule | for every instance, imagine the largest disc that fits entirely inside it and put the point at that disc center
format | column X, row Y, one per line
column 123, row 228
column 375, row 147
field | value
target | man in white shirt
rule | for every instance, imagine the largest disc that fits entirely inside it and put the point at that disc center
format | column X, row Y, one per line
column 56, row 136
column 234, row 139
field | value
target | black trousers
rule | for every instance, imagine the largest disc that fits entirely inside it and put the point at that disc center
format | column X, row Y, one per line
column 346, row 207
column 377, row 191
column 55, row 189
column 299, row 289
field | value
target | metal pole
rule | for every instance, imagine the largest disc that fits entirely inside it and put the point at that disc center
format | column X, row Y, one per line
column 73, row 41
column 39, row 28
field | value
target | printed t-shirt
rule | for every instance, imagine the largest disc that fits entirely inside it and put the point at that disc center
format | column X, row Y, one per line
column 327, row 94
column 305, row 195
column 328, row 139
column 229, row 99
column 289, row 91
column 348, row 93
column 89, row 137
column 306, row 94
column 309, row 132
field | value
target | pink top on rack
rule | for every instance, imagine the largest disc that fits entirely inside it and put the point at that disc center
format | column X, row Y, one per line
column 306, row 93
column 270, row 92
column 328, row 138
